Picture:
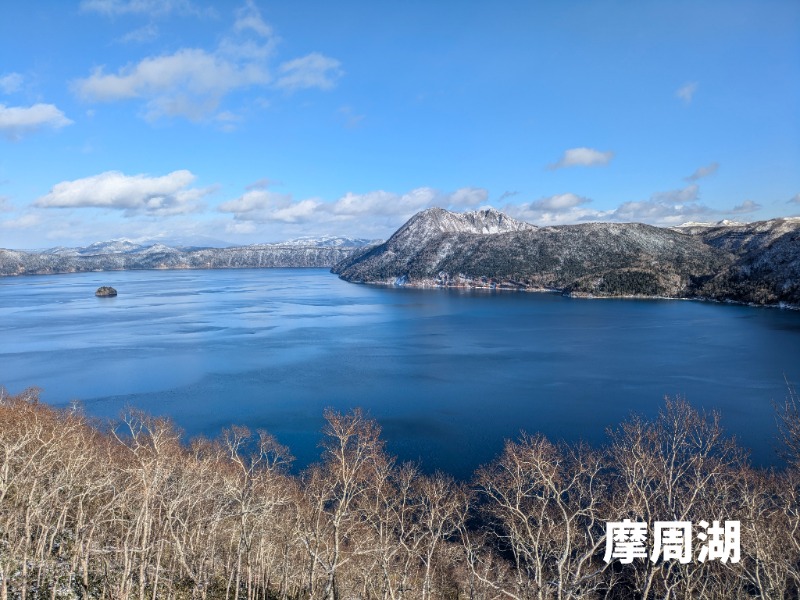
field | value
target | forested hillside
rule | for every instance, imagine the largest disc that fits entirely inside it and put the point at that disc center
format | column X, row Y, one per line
column 133, row 512
column 756, row 263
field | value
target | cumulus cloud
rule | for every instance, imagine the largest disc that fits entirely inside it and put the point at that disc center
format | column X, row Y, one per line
column 703, row 172
column 168, row 195
column 370, row 211
column 18, row 121
column 582, row 157
column 687, row 91
column 10, row 83
column 386, row 204
column 379, row 212
column 559, row 202
column 665, row 208
column 559, row 209
column 401, row 206
column 668, row 208
column 672, row 207
column 468, row 197
column 311, row 71
column 747, row 206
column 677, row 197
column 192, row 82
column 262, row 205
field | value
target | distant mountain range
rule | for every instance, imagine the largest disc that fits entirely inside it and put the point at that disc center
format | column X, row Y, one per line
column 122, row 254
column 754, row 263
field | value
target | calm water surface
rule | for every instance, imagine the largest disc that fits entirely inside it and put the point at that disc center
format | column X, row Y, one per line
column 449, row 375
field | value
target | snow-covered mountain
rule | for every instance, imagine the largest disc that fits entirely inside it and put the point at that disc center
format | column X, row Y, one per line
column 122, row 254
column 119, row 246
column 755, row 262
column 751, row 262
column 432, row 222
column 328, row 241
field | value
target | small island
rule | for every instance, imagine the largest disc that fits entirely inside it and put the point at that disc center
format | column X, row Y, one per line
column 105, row 292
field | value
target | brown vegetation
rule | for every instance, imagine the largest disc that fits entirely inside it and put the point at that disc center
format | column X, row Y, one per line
column 135, row 513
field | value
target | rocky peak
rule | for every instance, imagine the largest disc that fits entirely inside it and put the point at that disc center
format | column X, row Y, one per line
column 433, row 222
column 485, row 221
column 490, row 221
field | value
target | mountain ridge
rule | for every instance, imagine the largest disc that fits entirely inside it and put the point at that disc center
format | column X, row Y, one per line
column 124, row 254
column 755, row 263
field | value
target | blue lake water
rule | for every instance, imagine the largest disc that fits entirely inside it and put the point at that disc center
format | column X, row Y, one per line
column 448, row 374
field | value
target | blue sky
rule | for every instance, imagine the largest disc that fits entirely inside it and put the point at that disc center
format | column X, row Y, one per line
column 260, row 121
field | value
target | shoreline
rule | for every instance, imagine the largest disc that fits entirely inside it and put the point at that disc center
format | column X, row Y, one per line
column 576, row 295
column 402, row 282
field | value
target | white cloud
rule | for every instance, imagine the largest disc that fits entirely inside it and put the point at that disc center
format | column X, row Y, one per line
column 192, row 82
column 10, row 83
column 249, row 18
column 402, row 206
column 373, row 211
column 17, row 121
column 582, row 157
column 747, row 206
column 261, row 205
column 264, row 206
column 469, row 197
column 241, row 228
column 146, row 33
column 311, row 71
column 669, row 208
column 189, row 83
column 703, row 172
column 559, row 202
column 795, row 199
column 112, row 8
column 687, row 91
column 381, row 203
column 664, row 208
column 25, row 221
column 554, row 210
column 677, row 197
column 135, row 194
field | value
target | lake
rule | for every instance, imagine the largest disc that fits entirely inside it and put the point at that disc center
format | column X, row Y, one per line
column 448, row 374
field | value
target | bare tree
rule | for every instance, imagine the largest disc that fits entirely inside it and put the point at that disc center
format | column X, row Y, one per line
column 93, row 513
column 543, row 503
column 678, row 467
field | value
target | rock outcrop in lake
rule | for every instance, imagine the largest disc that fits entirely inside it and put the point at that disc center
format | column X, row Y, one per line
column 119, row 255
column 757, row 262
column 105, row 292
